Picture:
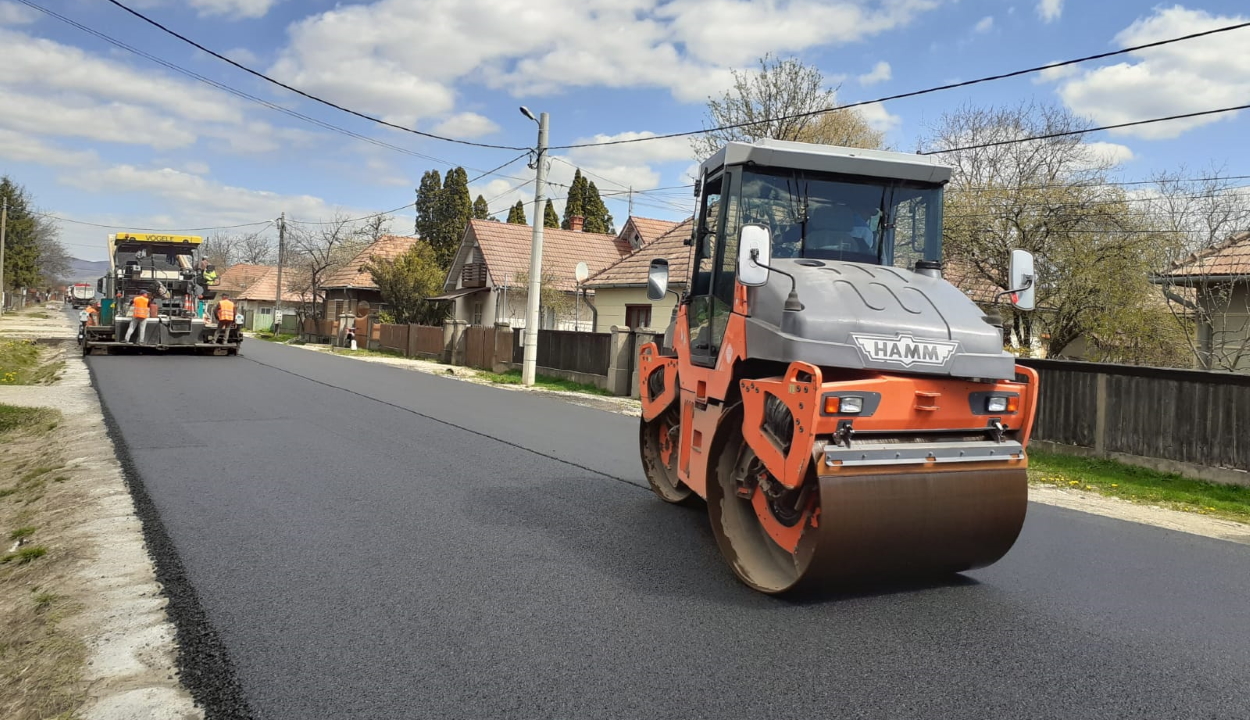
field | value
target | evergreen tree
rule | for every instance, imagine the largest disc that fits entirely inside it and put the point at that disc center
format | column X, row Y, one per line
column 481, row 211
column 21, row 242
column 455, row 211
column 575, row 205
column 598, row 219
column 516, row 214
column 429, row 202
column 550, row 218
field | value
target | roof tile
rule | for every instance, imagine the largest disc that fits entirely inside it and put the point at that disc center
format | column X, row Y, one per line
column 266, row 286
column 353, row 274
column 632, row 270
column 506, row 249
column 1229, row 258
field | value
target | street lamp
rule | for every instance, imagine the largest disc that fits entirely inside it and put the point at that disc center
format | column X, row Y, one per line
column 529, row 363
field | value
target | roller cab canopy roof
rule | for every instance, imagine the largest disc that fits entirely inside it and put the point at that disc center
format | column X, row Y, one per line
column 127, row 238
column 830, row 159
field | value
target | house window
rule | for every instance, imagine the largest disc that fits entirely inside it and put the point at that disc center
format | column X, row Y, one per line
column 477, row 313
column 638, row 316
column 338, row 308
column 264, row 311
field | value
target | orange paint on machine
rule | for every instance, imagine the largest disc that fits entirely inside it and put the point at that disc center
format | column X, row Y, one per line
column 840, row 410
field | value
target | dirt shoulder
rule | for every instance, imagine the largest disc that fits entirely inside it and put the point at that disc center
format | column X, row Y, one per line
column 1088, row 502
column 96, row 574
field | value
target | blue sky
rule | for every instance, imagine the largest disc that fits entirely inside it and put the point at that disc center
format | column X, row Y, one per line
column 99, row 134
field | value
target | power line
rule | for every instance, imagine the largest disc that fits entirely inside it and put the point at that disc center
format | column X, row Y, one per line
column 351, row 220
column 501, row 167
column 234, row 91
column 1067, row 133
column 914, row 93
column 149, row 230
column 301, row 93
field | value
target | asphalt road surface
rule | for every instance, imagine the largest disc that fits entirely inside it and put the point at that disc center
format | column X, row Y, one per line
column 370, row 542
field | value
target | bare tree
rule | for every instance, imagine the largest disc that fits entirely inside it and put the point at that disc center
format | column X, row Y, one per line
column 1205, row 220
column 318, row 250
column 377, row 227
column 54, row 263
column 1050, row 197
column 224, row 250
column 777, row 101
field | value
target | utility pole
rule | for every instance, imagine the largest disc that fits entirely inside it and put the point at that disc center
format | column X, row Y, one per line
column 530, row 364
column 277, row 301
column 4, row 226
column 631, row 201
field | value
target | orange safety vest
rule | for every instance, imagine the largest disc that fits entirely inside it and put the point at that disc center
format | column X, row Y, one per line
column 141, row 308
column 225, row 310
column 91, row 315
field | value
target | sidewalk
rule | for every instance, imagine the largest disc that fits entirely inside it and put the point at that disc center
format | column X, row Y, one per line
column 87, row 520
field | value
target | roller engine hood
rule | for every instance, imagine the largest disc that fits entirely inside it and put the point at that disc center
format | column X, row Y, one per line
column 873, row 317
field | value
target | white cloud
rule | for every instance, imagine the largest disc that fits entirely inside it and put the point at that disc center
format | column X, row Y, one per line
column 243, row 56
column 1053, row 74
column 984, row 25
column 1169, row 80
column 195, row 199
column 13, row 14
column 878, row 118
column 365, row 55
column 47, row 88
column 20, row 147
column 880, row 72
column 234, row 9
column 1112, row 153
column 112, row 122
column 1050, row 10
column 466, row 125
column 735, row 32
column 652, row 151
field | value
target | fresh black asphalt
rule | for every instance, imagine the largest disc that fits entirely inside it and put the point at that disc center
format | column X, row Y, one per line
column 363, row 541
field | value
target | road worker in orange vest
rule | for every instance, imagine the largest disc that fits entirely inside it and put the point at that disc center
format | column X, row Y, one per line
column 140, row 311
column 224, row 314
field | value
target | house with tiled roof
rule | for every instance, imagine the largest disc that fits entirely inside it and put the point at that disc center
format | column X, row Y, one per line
column 256, row 301
column 1213, row 286
column 639, row 231
column 236, row 278
column 488, row 279
column 621, row 288
column 350, row 289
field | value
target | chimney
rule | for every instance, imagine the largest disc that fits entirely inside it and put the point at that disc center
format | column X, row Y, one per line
column 575, row 223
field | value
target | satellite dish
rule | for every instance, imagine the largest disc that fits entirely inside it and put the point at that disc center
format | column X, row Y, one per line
column 581, row 272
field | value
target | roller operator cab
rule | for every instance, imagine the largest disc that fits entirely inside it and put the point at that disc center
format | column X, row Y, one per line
column 846, row 413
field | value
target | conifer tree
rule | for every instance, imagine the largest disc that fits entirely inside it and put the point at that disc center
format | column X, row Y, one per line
column 481, row 211
column 516, row 214
column 550, row 218
column 575, row 205
column 429, row 204
column 598, row 219
column 455, row 211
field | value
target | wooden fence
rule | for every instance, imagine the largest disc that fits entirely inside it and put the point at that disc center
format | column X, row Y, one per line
column 425, row 341
column 579, row 352
column 1190, row 417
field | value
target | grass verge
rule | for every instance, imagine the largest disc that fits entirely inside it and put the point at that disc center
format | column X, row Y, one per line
column 279, row 338
column 513, row 377
column 40, row 662
column 1140, row 485
column 367, row 353
column 21, row 363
